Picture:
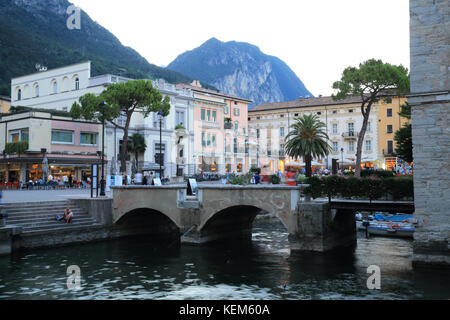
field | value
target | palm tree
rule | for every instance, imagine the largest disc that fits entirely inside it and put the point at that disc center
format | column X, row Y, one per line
column 137, row 145
column 307, row 139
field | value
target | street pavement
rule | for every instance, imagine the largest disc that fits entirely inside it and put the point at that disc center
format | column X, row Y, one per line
column 14, row 196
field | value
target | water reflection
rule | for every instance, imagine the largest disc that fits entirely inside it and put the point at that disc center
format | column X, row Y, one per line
column 136, row 268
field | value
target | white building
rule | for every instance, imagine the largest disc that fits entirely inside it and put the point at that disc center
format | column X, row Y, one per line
column 270, row 123
column 59, row 88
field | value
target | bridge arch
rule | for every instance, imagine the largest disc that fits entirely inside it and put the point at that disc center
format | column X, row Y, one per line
column 147, row 221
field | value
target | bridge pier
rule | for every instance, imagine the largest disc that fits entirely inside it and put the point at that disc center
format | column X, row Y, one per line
column 319, row 230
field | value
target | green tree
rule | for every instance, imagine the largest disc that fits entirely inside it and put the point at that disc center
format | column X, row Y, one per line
column 403, row 136
column 307, row 139
column 372, row 81
column 137, row 145
column 122, row 100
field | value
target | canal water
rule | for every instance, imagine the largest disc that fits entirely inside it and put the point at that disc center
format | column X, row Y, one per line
column 136, row 268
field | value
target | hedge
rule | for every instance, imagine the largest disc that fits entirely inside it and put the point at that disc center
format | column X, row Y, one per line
column 360, row 188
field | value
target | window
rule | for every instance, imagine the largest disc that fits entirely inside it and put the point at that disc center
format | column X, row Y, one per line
column 296, row 115
column 244, row 131
column 350, row 111
column 235, row 102
column 319, row 113
column 335, row 147
column 225, row 110
column 77, row 84
column 18, row 135
column 36, row 91
column 19, row 94
column 208, row 139
column 213, row 140
column 55, row 87
column 202, row 115
column 237, row 112
column 258, row 118
column 88, row 139
column 351, row 146
column 203, row 140
column 214, row 116
column 179, row 118
column 390, row 147
column 62, row 137
column 389, row 128
column 368, row 127
column 335, row 128
column 351, row 127
column 368, row 145
column 389, row 113
column 257, row 133
column 208, row 115
column 281, row 115
column 335, row 112
column 282, row 132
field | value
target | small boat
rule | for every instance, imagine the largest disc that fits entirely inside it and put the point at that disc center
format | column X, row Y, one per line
column 391, row 226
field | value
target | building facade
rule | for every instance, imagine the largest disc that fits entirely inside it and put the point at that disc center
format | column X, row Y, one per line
column 270, row 124
column 389, row 122
column 70, row 147
column 5, row 104
column 221, row 135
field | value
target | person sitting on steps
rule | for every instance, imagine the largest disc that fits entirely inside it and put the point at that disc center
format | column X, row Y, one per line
column 68, row 215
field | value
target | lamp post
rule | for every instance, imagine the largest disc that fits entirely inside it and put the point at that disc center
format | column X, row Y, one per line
column 342, row 158
column 102, row 182
column 160, row 117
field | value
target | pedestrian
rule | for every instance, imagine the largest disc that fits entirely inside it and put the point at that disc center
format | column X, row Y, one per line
column 68, row 215
column 257, row 178
column 70, row 181
column 144, row 180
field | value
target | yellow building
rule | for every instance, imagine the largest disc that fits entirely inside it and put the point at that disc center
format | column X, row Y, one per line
column 5, row 104
column 389, row 122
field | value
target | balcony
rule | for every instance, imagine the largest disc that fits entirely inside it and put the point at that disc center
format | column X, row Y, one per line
column 350, row 135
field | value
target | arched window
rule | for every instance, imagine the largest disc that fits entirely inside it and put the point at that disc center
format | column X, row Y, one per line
column 55, row 87
column 19, row 94
column 36, row 90
column 77, row 83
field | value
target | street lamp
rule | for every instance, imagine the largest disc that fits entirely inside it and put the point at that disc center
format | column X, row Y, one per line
column 160, row 118
column 342, row 158
column 102, row 182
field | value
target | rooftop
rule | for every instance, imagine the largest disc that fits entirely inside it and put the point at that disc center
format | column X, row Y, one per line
column 304, row 103
column 208, row 91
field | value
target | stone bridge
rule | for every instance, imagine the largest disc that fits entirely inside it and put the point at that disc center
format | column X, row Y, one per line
column 227, row 211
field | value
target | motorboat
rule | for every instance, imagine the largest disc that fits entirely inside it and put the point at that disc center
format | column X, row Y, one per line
column 401, row 225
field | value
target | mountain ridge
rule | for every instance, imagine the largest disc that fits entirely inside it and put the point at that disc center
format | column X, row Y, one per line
column 35, row 31
column 241, row 69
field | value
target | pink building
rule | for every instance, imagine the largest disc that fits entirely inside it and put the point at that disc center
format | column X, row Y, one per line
column 220, row 131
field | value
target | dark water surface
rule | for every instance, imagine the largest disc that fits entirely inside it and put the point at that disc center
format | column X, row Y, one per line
column 136, row 268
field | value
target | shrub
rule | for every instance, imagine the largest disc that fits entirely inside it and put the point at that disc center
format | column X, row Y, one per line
column 371, row 188
column 238, row 180
column 400, row 187
column 378, row 173
column 275, row 179
column 301, row 178
column 16, row 147
column 255, row 170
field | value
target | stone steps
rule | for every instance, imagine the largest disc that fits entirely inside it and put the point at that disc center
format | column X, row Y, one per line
column 40, row 217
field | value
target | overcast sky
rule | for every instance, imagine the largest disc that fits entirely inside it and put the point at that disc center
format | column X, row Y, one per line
column 318, row 39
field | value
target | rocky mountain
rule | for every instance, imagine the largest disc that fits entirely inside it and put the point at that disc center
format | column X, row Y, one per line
column 35, row 31
column 241, row 69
